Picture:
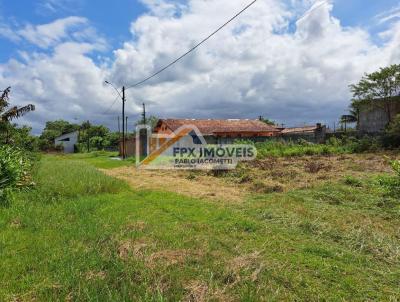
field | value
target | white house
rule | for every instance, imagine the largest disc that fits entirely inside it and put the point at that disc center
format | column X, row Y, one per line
column 68, row 141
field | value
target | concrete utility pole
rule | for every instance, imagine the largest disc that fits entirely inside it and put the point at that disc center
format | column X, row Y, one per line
column 144, row 114
column 123, row 122
column 123, row 115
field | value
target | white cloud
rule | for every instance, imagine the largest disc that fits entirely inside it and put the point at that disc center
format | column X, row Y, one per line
column 255, row 66
column 390, row 15
column 56, row 6
column 52, row 33
column 258, row 65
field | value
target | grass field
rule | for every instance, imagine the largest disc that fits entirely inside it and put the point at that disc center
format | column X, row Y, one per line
column 83, row 236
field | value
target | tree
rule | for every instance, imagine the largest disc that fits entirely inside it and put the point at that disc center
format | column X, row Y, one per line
column 379, row 87
column 54, row 129
column 152, row 121
column 7, row 114
column 267, row 121
column 350, row 118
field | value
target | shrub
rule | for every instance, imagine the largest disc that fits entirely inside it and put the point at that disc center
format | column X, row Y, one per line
column 14, row 172
column 391, row 138
column 396, row 167
column 392, row 184
column 366, row 144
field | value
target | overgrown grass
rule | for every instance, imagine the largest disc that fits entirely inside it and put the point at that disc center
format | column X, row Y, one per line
column 58, row 179
column 280, row 148
column 336, row 242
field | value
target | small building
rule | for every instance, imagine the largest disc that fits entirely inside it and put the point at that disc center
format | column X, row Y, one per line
column 67, row 141
column 221, row 131
column 314, row 134
column 375, row 115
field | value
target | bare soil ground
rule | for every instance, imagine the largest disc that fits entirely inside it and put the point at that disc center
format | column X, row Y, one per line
column 260, row 176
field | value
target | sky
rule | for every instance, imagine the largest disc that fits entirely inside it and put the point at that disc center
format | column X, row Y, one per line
column 288, row 60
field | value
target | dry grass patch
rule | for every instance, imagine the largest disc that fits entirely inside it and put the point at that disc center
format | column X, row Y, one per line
column 201, row 186
column 93, row 275
column 268, row 175
column 196, row 291
column 171, row 257
column 249, row 265
column 131, row 248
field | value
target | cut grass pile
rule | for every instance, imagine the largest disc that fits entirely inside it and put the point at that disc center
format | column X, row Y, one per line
column 338, row 241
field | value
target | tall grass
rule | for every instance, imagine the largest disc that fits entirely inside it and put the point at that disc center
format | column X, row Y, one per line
column 58, row 178
column 285, row 149
column 281, row 148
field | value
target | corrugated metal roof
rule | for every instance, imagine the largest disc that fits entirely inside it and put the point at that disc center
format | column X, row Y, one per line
column 300, row 129
column 208, row 127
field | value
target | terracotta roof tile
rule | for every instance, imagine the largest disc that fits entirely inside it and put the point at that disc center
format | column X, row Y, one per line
column 208, row 127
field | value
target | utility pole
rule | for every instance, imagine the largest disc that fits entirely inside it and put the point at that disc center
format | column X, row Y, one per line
column 123, row 115
column 123, row 122
column 119, row 128
column 144, row 114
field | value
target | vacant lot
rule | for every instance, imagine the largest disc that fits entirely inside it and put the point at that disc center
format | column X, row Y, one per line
column 308, row 228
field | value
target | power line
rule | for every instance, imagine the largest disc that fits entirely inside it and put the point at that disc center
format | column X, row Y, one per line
column 305, row 15
column 193, row 48
column 112, row 105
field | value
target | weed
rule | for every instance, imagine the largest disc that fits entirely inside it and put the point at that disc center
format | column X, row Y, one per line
column 352, row 181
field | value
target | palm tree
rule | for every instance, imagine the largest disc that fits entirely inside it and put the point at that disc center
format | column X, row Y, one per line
column 8, row 114
column 350, row 118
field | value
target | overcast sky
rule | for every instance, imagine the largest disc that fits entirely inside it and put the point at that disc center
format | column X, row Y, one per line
column 290, row 61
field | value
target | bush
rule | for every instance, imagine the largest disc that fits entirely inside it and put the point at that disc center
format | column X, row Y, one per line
column 14, row 172
column 396, row 167
column 352, row 181
column 391, row 138
column 389, row 183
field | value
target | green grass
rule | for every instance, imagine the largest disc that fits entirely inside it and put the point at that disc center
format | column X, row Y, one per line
column 100, row 241
column 286, row 149
column 99, row 159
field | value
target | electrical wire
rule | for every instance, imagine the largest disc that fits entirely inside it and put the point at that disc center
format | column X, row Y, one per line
column 112, row 105
column 205, row 40
column 193, row 48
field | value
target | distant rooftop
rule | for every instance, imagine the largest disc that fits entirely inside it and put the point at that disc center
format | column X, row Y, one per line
column 215, row 126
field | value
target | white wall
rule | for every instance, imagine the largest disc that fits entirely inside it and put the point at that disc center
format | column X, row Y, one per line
column 67, row 141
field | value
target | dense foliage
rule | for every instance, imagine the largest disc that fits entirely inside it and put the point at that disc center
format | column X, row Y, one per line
column 379, row 86
column 14, row 171
column 91, row 137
